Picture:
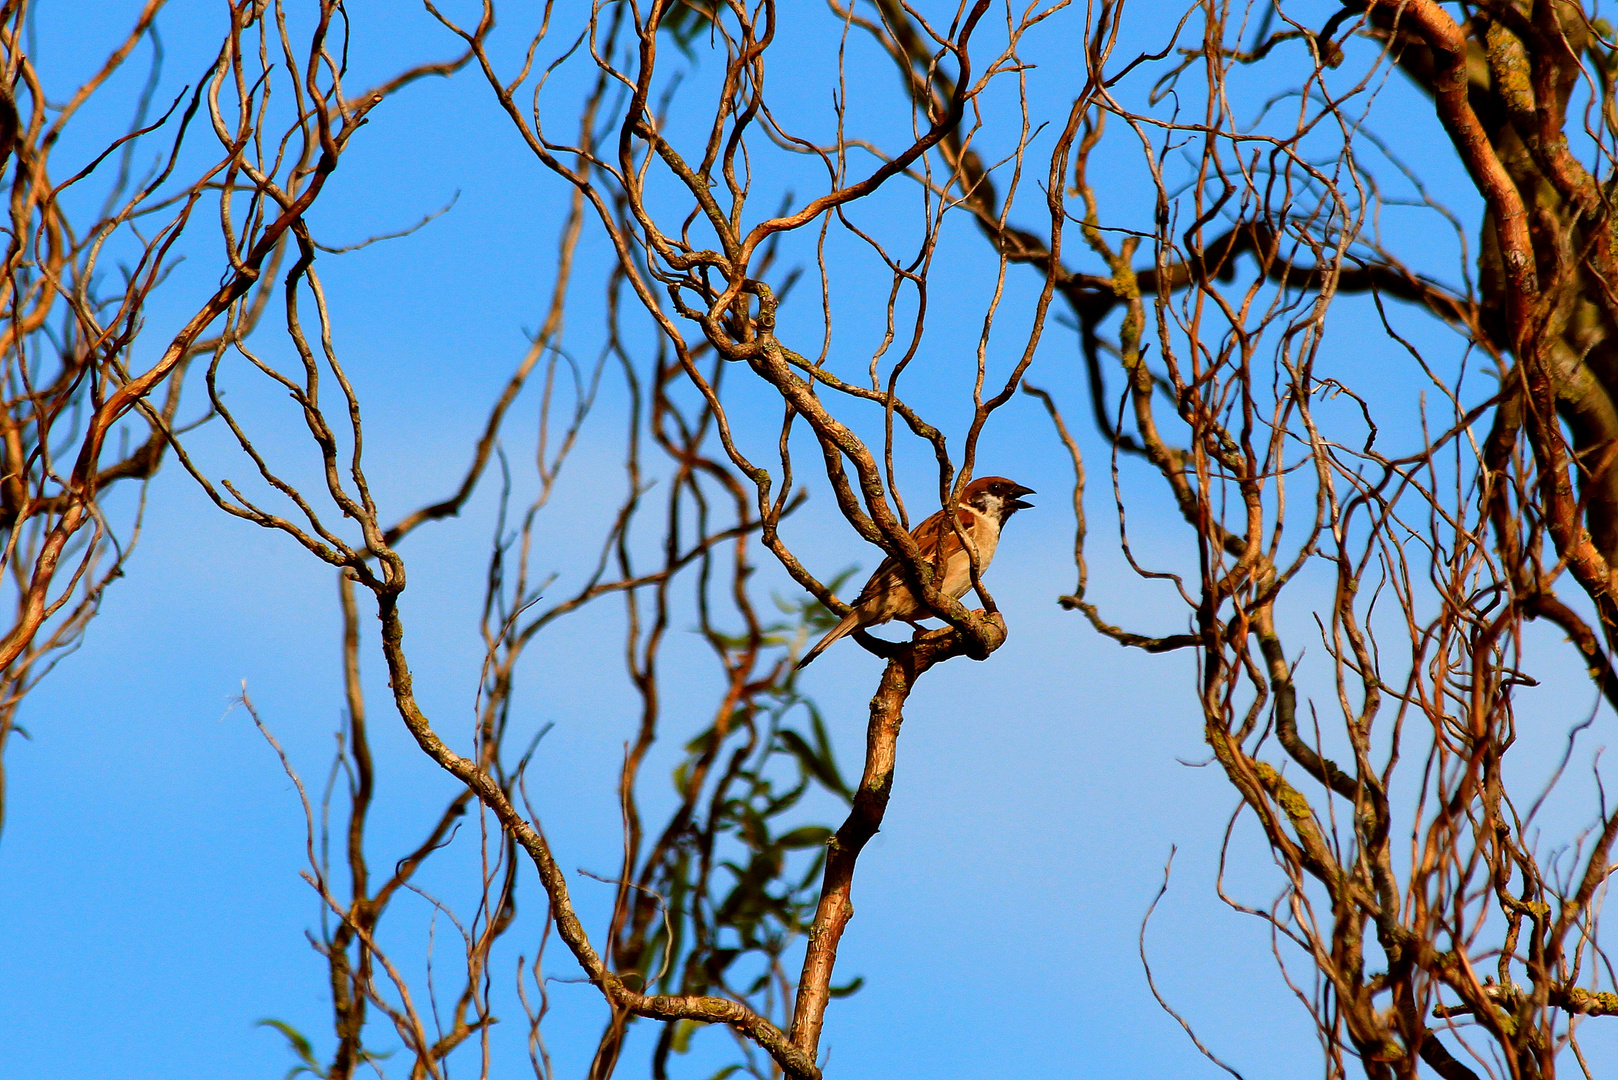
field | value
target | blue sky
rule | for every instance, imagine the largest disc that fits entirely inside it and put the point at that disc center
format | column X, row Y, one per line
column 149, row 865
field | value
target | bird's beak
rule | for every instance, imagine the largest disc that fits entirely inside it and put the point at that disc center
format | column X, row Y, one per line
column 1019, row 491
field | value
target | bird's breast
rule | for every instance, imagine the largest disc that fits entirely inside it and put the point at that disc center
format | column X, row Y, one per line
column 984, row 532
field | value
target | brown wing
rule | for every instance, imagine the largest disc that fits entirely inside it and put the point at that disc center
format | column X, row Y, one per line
column 928, row 535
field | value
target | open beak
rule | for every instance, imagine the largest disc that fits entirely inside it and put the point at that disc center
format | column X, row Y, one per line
column 1019, row 491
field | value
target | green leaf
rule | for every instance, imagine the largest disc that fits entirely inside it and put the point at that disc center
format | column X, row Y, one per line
column 805, row 836
column 850, row 988
column 678, row 888
column 687, row 21
column 683, row 1030
column 821, row 769
column 299, row 1044
column 817, row 617
column 817, row 724
column 812, row 874
column 780, row 804
column 722, row 1074
column 755, row 833
column 720, row 959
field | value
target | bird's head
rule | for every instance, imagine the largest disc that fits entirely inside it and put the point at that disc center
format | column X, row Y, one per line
column 996, row 496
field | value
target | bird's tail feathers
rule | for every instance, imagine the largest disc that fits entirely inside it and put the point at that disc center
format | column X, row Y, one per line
column 849, row 624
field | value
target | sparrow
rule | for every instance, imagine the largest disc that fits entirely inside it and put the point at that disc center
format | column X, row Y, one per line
column 984, row 507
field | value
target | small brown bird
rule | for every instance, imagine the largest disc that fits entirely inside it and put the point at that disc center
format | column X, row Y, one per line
column 984, row 507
